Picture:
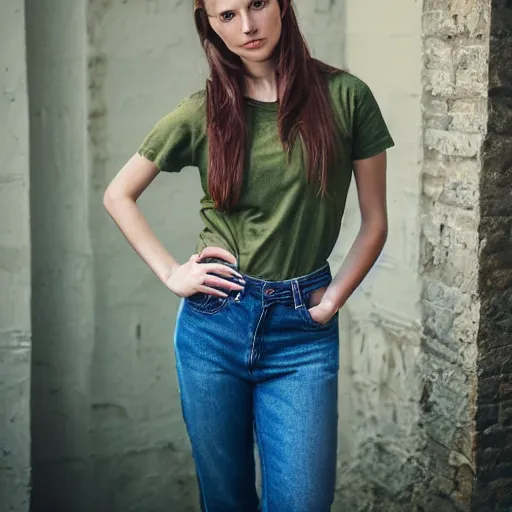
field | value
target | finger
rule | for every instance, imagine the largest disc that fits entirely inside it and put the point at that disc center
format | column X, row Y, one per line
column 194, row 257
column 217, row 252
column 217, row 281
column 211, row 291
column 219, row 268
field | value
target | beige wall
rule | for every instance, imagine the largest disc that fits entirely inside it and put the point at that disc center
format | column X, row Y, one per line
column 380, row 325
column 144, row 58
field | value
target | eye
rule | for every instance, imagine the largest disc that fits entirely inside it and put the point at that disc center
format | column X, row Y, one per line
column 259, row 4
column 227, row 16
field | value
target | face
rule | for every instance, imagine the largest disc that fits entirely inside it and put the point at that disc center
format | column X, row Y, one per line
column 249, row 28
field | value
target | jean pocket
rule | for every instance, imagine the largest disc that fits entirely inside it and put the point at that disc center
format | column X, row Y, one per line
column 313, row 324
column 206, row 303
column 306, row 315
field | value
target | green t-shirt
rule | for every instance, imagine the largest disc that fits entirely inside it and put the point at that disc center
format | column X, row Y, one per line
column 281, row 228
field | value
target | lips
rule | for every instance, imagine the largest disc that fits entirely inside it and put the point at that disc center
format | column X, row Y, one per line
column 254, row 44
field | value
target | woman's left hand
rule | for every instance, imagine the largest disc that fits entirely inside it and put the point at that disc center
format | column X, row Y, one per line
column 323, row 309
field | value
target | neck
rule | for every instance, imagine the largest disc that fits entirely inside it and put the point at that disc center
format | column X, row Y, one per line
column 260, row 80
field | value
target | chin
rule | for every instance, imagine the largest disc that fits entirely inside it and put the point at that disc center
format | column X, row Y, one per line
column 262, row 55
column 258, row 58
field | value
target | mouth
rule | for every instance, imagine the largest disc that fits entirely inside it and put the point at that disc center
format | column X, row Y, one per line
column 254, row 44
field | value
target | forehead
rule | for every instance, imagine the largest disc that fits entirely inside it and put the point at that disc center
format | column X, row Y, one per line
column 217, row 6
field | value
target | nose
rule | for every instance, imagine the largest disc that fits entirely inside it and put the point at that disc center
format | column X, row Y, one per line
column 248, row 25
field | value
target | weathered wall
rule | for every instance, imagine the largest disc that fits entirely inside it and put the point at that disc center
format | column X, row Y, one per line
column 380, row 325
column 456, row 39
column 62, row 267
column 15, row 322
column 143, row 58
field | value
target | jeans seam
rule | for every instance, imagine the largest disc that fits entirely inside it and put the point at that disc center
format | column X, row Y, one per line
column 264, row 489
column 204, row 506
column 255, row 334
column 201, row 492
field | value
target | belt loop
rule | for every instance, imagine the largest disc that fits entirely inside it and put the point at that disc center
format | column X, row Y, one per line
column 297, row 297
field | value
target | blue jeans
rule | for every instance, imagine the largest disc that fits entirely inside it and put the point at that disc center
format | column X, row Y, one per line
column 257, row 363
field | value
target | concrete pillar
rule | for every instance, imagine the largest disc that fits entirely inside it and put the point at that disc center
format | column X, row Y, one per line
column 62, row 263
column 15, row 321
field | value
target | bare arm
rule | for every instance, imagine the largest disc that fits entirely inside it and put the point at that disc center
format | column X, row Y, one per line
column 120, row 199
column 370, row 176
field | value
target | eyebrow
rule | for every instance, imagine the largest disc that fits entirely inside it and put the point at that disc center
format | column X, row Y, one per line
column 225, row 10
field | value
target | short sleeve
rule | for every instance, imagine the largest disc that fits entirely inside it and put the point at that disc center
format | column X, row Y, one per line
column 370, row 133
column 171, row 143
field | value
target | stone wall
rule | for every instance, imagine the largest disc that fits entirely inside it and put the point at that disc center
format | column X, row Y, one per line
column 456, row 41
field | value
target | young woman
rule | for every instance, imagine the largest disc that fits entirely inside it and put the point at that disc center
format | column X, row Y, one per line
column 276, row 136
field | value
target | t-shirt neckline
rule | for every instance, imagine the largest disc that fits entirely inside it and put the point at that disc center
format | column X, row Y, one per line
column 271, row 106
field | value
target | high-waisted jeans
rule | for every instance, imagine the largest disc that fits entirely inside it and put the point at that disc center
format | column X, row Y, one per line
column 257, row 363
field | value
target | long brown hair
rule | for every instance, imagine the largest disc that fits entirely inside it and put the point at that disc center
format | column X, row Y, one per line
column 304, row 107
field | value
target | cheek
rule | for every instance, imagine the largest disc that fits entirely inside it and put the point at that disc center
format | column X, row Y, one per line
column 274, row 24
column 278, row 29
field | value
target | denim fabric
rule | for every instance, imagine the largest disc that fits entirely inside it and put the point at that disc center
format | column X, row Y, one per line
column 257, row 363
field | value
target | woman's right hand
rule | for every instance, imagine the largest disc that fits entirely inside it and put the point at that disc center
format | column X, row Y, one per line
column 193, row 276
